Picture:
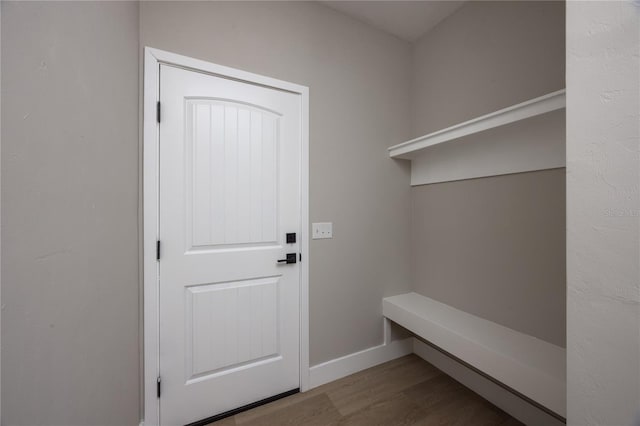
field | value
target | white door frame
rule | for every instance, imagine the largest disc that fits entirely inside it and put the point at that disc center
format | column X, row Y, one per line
column 152, row 60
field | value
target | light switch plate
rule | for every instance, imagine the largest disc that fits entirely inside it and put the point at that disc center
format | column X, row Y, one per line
column 321, row 230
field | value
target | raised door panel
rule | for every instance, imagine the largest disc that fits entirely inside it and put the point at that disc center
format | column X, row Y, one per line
column 230, row 326
column 232, row 181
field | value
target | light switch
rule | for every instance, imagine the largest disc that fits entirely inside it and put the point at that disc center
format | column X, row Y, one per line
column 321, row 230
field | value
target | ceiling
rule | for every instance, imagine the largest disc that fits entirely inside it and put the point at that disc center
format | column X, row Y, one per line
column 408, row 20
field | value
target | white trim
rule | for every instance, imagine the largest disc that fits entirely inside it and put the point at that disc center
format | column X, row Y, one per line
column 349, row 364
column 152, row 60
column 0, row 243
column 165, row 57
column 496, row 394
column 547, row 103
column 538, row 143
column 530, row 366
column 151, row 414
column 304, row 246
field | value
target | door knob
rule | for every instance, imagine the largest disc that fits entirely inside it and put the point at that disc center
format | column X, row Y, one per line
column 291, row 258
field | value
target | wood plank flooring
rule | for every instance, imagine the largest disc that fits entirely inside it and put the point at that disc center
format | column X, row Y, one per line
column 405, row 391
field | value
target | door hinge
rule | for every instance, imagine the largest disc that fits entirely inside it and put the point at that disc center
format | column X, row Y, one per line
column 300, row 257
column 158, row 250
column 158, row 386
column 158, row 111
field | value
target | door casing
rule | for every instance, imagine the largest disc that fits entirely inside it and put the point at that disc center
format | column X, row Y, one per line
column 150, row 209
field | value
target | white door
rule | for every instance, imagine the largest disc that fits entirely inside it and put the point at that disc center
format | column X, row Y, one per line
column 230, row 158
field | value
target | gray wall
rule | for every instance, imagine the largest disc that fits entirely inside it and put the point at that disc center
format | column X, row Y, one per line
column 486, row 56
column 69, row 213
column 495, row 247
column 603, row 211
column 491, row 246
column 358, row 79
column 70, row 276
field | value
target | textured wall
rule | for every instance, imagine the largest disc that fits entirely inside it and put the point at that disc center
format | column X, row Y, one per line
column 603, row 211
column 358, row 79
column 69, row 213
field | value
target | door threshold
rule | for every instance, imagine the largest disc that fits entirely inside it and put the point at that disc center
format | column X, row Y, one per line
column 247, row 407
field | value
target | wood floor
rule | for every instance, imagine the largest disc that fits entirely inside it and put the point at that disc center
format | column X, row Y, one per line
column 406, row 391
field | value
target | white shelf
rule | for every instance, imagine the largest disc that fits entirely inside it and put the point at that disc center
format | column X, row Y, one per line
column 530, row 366
column 531, row 108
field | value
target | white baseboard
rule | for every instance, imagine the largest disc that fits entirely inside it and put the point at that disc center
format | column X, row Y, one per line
column 358, row 361
column 349, row 364
column 517, row 407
